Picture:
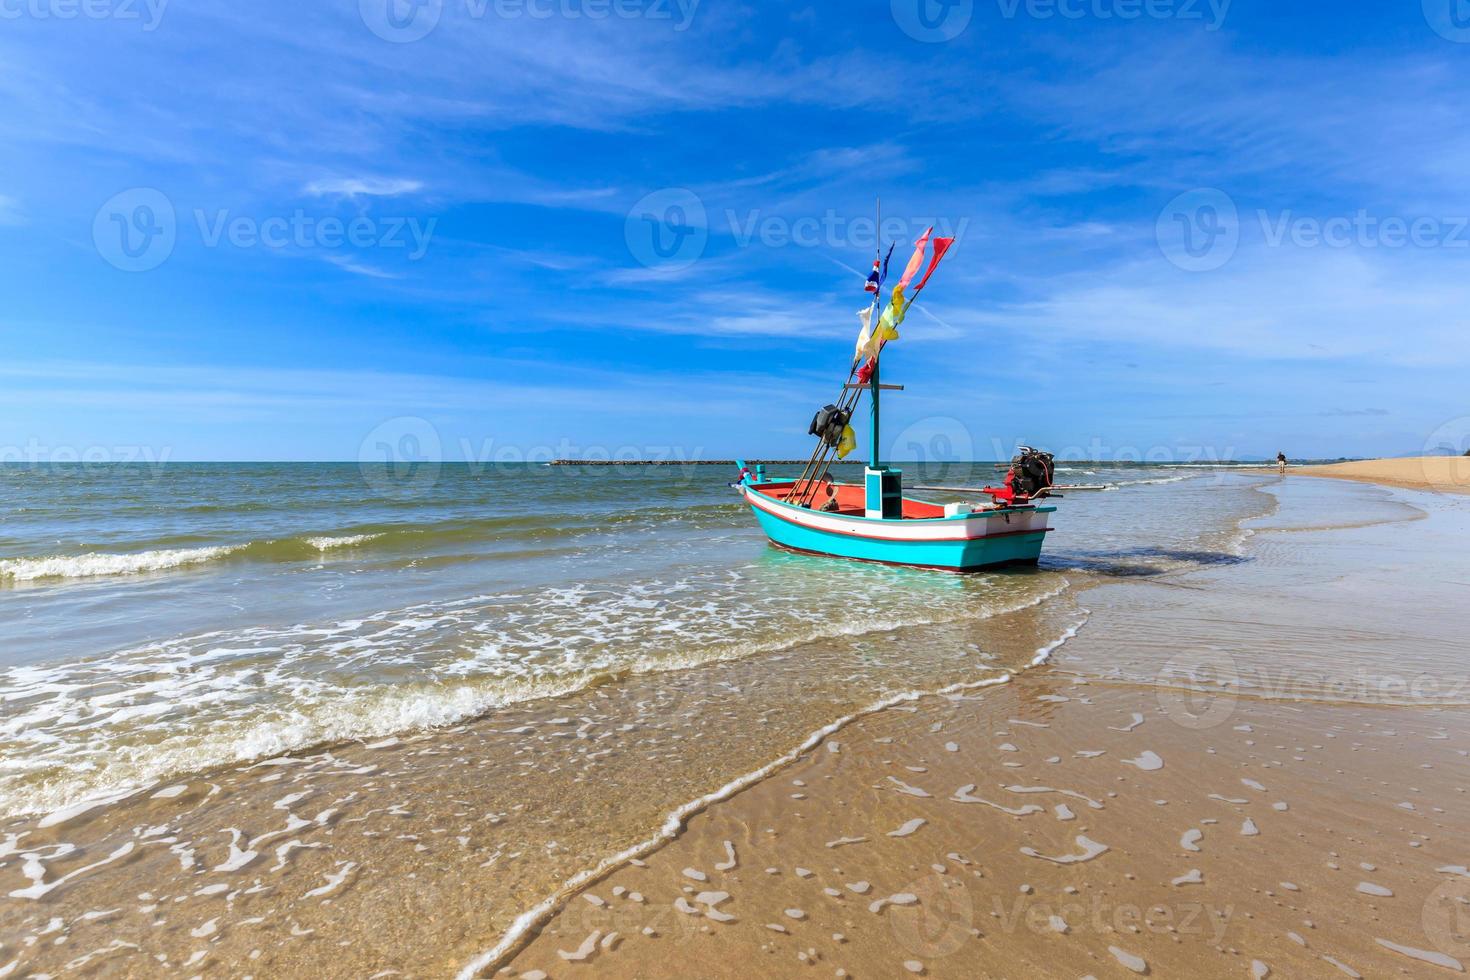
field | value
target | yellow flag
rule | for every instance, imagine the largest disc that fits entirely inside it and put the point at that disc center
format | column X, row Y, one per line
column 889, row 321
column 847, row 443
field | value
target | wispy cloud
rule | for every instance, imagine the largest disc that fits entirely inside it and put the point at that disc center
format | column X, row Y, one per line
column 348, row 264
column 363, row 187
column 1266, row 304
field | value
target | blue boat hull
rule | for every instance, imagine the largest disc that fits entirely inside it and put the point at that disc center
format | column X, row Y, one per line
column 961, row 544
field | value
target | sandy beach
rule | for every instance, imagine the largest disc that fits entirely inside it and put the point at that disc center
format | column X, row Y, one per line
column 1258, row 807
column 1062, row 828
column 1443, row 473
column 1229, row 745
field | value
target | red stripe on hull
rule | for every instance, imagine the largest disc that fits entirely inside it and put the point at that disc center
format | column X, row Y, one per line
column 907, row 564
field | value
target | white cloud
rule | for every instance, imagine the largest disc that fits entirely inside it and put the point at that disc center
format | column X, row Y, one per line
column 362, row 187
column 1405, row 307
column 358, row 268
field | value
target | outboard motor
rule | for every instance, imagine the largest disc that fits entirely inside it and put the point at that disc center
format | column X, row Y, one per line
column 1029, row 478
column 1032, row 472
column 828, row 424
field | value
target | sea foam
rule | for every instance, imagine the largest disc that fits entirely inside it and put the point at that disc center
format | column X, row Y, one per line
column 99, row 564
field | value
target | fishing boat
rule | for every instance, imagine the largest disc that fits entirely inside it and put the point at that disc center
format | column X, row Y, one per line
column 874, row 521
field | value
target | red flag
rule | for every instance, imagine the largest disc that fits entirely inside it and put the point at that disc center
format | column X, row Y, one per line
column 941, row 245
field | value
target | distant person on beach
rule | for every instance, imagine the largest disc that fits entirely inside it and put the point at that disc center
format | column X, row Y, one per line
column 1281, row 463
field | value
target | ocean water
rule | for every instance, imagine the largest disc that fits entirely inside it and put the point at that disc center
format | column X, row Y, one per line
column 278, row 700
column 167, row 620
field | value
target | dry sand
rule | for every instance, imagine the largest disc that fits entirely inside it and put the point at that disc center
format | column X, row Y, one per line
column 1446, row 473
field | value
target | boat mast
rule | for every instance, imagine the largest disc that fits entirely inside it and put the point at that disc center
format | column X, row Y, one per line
column 873, row 460
column 873, row 391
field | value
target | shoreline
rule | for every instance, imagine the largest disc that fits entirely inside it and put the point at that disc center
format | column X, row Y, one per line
column 1103, row 824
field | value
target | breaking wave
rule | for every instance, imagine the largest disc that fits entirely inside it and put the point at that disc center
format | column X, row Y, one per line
column 100, row 564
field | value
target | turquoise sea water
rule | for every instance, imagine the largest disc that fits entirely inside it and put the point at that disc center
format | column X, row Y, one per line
column 163, row 620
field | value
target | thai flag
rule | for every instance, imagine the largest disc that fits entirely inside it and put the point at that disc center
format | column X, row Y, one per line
column 874, row 281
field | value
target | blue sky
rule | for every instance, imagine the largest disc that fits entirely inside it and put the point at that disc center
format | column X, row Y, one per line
column 296, row 231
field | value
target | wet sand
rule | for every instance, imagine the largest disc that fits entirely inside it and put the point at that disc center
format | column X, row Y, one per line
column 1060, row 828
column 1444, row 473
column 410, row 855
column 1257, row 769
